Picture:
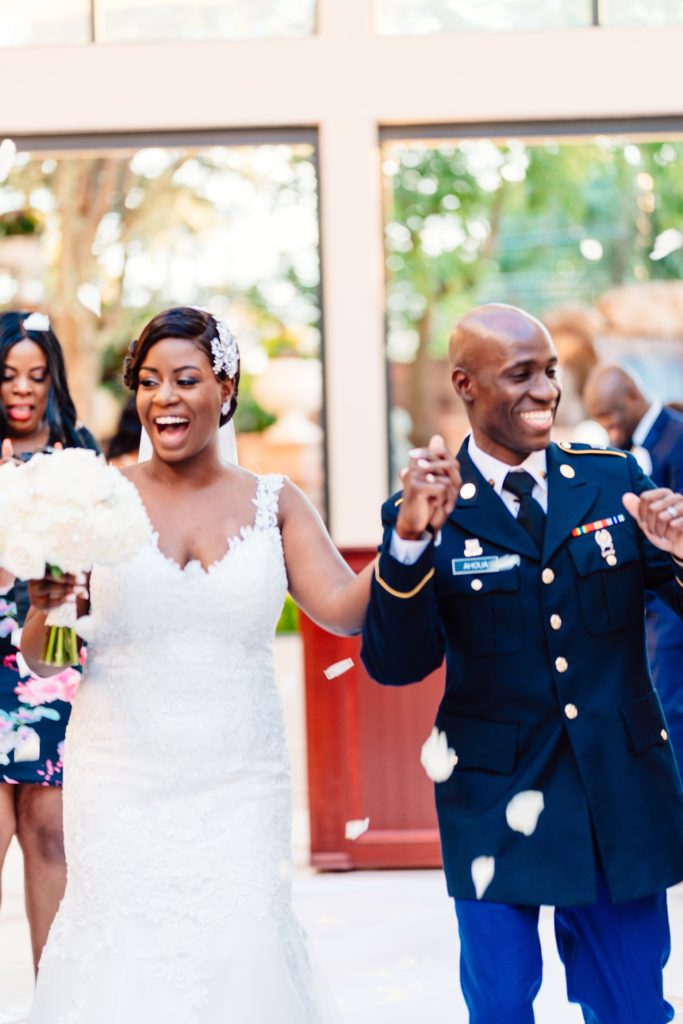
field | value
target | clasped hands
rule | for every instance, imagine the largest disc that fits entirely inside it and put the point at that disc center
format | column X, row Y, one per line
column 431, row 484
column 659, row 514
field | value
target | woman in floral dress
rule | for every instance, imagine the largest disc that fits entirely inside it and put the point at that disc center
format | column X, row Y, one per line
column 36, row 413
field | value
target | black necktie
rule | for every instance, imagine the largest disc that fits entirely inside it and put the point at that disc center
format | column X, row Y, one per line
column 531, row 515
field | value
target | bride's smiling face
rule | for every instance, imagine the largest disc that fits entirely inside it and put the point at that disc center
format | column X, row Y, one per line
column 179, row 399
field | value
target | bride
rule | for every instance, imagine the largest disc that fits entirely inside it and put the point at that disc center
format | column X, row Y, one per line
column 177, row 786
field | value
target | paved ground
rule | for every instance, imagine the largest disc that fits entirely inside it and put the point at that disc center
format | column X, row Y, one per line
column 387, row 941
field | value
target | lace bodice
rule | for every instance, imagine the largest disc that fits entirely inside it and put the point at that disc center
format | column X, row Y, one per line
column 177, row 800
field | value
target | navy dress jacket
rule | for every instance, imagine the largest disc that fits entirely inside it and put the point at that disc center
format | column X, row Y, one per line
column 547, row 683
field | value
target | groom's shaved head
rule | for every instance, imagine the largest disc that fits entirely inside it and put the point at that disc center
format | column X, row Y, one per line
column 504, row 367
column 489, row 332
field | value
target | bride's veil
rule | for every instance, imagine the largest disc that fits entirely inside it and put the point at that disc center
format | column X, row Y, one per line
column 227, row 442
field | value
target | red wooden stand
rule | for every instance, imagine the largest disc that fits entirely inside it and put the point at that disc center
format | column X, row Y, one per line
column 364, row 745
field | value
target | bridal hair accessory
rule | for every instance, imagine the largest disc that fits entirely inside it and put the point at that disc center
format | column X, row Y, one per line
column 225, row 408
column 226, row 358
column 36, row 322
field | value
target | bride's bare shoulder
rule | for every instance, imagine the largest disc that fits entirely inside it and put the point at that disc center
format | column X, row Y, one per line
column 132, row 473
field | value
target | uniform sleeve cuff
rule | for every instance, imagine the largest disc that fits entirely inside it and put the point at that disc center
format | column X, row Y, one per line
column 404, row 580
column 407, row 551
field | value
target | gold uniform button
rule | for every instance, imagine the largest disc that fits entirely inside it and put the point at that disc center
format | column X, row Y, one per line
column 476, row 584
column 468, row 491
column 664, row 734
column 547, row 575
column 561, row 664
column 611, row 559
column 571, row 711
column 555, row 621
column 567, row 471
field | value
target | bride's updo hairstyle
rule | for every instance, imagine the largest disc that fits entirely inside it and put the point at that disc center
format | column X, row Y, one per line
column 207, row 332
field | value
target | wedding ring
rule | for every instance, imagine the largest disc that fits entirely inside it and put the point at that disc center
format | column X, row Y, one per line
column 673, row 511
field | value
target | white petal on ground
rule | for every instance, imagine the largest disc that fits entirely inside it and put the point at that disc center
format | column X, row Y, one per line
column 483, row 870
column 524, row 810
column 339, row 668
column 437, row 758
column 89, row 297
column 8, row 154
column 355, row 829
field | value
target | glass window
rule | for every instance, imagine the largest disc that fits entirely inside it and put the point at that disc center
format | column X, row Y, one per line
column 585, row 234
column 102, row 240
column 642, row 12
column 121, row 20
column 422, row 17
column 42, row 22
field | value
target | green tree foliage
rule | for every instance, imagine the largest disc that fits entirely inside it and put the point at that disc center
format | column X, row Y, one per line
column 535, row 225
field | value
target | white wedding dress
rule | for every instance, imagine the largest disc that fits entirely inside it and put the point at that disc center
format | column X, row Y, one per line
column 177, row 802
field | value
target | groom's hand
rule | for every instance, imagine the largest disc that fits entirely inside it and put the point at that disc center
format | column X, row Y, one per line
column 659, row 514
column 431, row 484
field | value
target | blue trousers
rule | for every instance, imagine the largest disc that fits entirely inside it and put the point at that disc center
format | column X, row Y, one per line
column 613, row 955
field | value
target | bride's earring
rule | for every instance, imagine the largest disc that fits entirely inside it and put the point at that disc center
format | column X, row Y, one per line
column 225, row 408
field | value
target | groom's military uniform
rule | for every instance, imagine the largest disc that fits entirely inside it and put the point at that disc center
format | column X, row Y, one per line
column 547, row 683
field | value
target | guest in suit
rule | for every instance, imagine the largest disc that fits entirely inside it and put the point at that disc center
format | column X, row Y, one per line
column 618, row 401
column 528, row 570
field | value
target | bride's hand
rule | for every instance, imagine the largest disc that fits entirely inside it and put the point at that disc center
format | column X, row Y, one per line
column 50, row 593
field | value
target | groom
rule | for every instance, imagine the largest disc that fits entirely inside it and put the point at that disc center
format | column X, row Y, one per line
column 528, row 569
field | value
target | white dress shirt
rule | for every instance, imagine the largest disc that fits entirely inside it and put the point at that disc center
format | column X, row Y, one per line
column 536, row 464
column 646, row 424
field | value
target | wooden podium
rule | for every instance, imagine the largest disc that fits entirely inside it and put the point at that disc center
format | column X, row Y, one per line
column 364, row 745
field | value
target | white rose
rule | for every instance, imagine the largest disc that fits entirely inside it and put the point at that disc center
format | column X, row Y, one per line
column 69, row 545
column 24, row 557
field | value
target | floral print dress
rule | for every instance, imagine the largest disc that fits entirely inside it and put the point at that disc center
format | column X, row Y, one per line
column 33, row 711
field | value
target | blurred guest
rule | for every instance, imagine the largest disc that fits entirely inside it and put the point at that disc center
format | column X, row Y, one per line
column 619, row 402
column 123, row 448
column 36, row 413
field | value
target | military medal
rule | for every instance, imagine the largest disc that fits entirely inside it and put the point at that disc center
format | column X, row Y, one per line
column 606, row 544
column 599, row 524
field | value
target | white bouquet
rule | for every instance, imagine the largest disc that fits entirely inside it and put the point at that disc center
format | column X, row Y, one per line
column 62, row 513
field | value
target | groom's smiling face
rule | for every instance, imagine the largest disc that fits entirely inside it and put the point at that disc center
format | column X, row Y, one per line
column 179, row 398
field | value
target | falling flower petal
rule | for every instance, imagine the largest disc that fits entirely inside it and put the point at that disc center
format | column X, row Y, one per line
column 437, row 758
column 524, row 810
column 8, row 153
column 355, row 829
column 666, row 243
column 483, row 870
column 89, row 297
column 339, row 668
column 36, row 322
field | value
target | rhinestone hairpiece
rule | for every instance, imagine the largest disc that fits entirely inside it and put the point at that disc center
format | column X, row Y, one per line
column 226, row 357
column 36, row 322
